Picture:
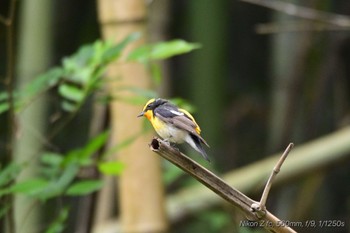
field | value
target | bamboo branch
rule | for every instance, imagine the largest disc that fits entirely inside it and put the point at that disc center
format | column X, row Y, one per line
column 219, row 186
column 303, row 12
column 297, row 26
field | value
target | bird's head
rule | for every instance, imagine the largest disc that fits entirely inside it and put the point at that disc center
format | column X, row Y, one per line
column 150, row 106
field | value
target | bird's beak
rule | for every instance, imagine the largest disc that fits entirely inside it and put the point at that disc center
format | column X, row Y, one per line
column 141, row 114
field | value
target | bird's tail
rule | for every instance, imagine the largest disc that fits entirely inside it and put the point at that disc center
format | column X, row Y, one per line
column 196, row 143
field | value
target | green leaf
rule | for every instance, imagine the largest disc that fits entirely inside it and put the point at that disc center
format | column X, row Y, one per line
column 69, row 65
column 4, row 101
column 94, row 145
column 161, row 50
column 82, row 156
column 156, row 73
column 68, row 106
column 57, row 186
column 74, row 157
column 29, row 187
column 171, row 48
column 57, row 226
column 4, row 107
column 84, row 187
column 82, row 76
column 140, row 54
column 68, row 175
column 86, row 53
column 41, row 83
column 115, row 51
column 52, row 159
column 111, row 168
column 71, row 92
column 9, row 173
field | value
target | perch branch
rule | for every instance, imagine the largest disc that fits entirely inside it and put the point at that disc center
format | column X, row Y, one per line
column 217, row 185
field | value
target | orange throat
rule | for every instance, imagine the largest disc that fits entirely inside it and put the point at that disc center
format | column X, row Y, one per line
column 148, row 115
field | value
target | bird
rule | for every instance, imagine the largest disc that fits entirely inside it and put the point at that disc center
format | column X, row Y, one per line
column 174, row 125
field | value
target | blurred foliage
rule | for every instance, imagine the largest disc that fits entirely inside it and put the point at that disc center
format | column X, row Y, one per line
column 80, row 74
column 57, row 174
column 58, row 225
column 78, row 77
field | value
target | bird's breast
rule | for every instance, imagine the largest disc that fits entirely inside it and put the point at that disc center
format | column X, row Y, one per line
column 168, row 131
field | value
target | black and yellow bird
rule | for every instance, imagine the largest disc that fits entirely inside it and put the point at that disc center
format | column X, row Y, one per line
column 174, row 124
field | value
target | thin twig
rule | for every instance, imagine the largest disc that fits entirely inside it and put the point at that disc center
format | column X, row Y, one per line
column 217, row 185
column 297, row 26
column 303, row 12
column 4, row 20
column 261, row 207
column 9, row 82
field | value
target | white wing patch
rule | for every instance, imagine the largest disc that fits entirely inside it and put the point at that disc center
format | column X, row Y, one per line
column 177, row 113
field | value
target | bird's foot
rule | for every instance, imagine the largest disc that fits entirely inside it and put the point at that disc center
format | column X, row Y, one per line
column 173, row 145
column 166, row 141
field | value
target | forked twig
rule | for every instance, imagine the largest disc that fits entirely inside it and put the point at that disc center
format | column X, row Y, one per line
column 260, row 207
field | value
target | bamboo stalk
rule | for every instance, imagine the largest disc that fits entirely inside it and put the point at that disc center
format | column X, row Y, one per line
column 34, row 56
column 140, row 185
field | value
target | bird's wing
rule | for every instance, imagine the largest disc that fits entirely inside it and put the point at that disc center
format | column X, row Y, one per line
column 168, row 111
column 179, row 120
